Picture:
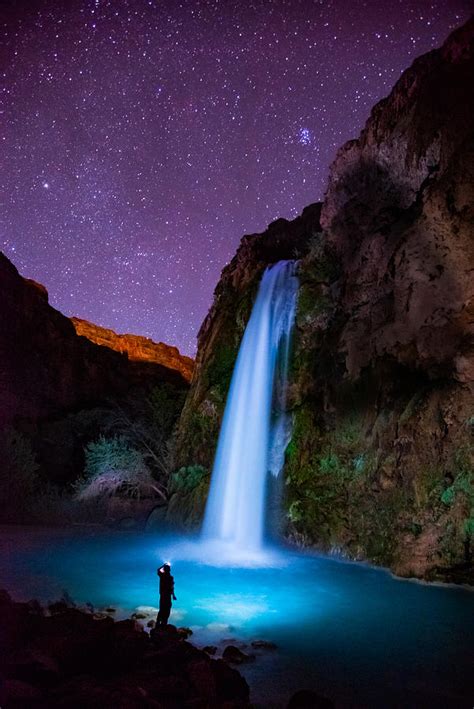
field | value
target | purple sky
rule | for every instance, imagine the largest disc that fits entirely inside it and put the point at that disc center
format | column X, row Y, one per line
column 141, row 139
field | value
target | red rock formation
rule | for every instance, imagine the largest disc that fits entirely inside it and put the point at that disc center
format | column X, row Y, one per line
column 136, row 347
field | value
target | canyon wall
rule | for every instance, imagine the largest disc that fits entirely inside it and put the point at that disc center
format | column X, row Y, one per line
column 54, row 383
column 380, row 466
column 137, row 348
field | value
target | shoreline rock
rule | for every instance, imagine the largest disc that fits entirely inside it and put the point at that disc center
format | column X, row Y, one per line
column 70, row 658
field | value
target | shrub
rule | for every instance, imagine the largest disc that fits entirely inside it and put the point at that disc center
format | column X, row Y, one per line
column 18, row 471
column 188, row 493
column 146, row 424
column 114, row 467
column 187, row 479
column 463, row 486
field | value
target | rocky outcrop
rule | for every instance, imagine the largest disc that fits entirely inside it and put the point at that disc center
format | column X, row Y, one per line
column 137, row 348
column 67, row 657
column 399, row 213
column 50, row 377
column 380, row 465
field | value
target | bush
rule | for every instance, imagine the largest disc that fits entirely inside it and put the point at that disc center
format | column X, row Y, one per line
column 463, row 487
column 187, row 479
column 188, row 493
column 146, row 424
column 114, row 467
column 18, row 471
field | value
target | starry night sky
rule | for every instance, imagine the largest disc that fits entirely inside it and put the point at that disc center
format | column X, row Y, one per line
column 141, row 139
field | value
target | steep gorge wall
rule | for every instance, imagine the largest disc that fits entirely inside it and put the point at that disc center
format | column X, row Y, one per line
column 380, row 465
column 53, row 382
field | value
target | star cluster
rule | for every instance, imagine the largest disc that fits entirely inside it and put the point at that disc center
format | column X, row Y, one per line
column 142, row 138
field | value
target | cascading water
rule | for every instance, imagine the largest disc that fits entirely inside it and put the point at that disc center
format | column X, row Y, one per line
column 255, row 429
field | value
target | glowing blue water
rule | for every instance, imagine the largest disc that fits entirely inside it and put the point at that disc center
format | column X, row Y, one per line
column 250, row 443
column 345, row 630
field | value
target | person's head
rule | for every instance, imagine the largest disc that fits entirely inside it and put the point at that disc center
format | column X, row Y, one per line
column 167, row 567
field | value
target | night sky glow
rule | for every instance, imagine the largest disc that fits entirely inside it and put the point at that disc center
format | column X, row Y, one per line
column 141, row 139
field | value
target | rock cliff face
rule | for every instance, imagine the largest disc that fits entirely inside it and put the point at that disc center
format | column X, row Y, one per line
column 48, row 374
column 398, row 211
column 137, row 348
column 380, row 465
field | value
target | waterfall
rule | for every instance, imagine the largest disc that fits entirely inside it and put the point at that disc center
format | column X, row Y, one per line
column 255, row 428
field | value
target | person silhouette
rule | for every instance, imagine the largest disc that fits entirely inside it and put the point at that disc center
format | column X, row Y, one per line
column 166, row 593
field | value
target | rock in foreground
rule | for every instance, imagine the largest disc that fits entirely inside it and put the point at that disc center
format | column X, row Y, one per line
column 70, row 659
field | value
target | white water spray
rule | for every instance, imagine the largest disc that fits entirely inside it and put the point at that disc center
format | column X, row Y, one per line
column 252, row 439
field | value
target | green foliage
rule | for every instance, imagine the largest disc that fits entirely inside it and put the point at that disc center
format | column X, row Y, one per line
column 464, row 481
column 220, row 368
column 146, row 422
column 319, row 265
column 188, row 487
column 201, row 424
column 448, row 495
column 311, row 303
column 330, row 465
column 470, row 422
column 18, row 470
column 187, row 479
column 327, row 477
column 349, row 432
column 462, row 488
column 294, row 511
column 468, row 527
column 428, row 485
column 112, row 454
column 201, row 435
column 114, row 467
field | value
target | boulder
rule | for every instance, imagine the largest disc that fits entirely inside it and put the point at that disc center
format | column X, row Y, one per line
column 235, row 656
column 69, row 659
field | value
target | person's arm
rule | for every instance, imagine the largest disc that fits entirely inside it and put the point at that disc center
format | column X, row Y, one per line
column 172, row 591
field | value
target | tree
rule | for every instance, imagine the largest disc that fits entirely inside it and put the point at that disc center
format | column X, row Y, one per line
column 147, row 424
column 114, row 467
column 18, row 469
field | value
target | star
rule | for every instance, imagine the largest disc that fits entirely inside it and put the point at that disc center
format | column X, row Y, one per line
column 304, row 136
column 144, row 139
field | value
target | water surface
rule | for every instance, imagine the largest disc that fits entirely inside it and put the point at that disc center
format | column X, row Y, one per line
column 349, row 631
